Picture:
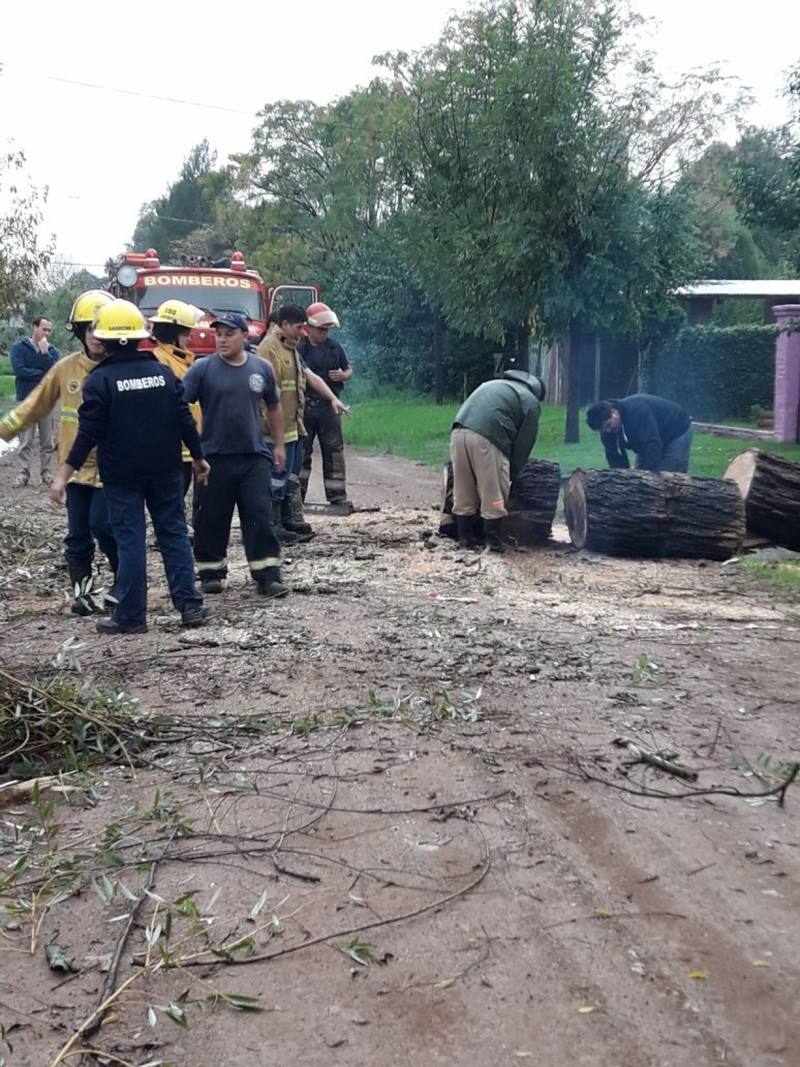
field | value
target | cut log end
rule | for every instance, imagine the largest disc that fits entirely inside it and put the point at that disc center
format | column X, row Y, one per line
column 576, row 512
column 742, row 469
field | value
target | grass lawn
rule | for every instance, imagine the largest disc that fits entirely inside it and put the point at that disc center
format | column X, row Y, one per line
column 6, row 385
column 412, row 426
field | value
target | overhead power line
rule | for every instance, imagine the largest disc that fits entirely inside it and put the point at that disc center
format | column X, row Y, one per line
column 151, row 96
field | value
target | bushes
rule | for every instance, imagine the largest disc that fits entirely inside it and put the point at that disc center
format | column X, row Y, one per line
column 716, row 373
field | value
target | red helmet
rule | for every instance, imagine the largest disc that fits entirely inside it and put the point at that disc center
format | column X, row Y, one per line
column 320, row 315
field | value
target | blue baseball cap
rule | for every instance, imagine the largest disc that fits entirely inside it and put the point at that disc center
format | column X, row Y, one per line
column 232, row 319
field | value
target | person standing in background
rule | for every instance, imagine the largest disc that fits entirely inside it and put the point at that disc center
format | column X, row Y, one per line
column 31, row 358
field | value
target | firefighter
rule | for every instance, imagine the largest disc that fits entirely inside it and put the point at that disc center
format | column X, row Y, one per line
column 326, row 358
column 231, row 386
column 172, row 327
column 280, row 348
column 87, row 513
column 134, row 413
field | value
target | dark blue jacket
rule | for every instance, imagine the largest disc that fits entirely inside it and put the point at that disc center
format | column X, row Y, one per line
column 133, row 410
column 322, row 359
column 648, row 425
column 29, row 365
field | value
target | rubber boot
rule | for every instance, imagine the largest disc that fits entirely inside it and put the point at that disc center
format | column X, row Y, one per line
column 292, row 516
column 494, row 541
column 269, row 584
column 478, row 531
column 81, row 582
column 466, row 538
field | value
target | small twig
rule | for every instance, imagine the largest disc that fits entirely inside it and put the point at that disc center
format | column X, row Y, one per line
column 713, row 748
column 654, row 759
column 697, row 870
column 111, row 978
column 617, row 915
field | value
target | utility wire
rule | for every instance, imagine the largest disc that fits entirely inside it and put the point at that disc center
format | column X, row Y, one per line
column 151, row 96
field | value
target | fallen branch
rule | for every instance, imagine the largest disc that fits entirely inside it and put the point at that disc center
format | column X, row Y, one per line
column 723, row 791
column 322, row 938
column 655, row 759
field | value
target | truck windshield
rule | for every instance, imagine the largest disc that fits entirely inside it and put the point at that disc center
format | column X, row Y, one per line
column 246, row 301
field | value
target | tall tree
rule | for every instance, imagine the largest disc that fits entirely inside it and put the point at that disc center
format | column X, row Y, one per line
column 24, row 254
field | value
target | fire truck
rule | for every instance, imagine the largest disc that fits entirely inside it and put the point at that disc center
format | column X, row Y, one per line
column 213, row 286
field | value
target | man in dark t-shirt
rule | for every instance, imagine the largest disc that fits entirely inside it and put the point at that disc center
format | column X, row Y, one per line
column 231, row 387
column 327, row 358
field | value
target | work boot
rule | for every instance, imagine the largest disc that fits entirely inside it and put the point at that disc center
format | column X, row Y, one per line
column 211, row 585
column 112, row 627
column 194, row 614
column 341, row 507
column 21, row 481
column 269, row 584
column 466, row 537
column 286, row 537
column 494, row 541
column 82, row 583
column 478, row 531
column 292, row 518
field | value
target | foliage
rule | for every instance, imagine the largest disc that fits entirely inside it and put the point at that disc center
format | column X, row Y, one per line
column 23, row 253
column 716, row 372
column 56, row 304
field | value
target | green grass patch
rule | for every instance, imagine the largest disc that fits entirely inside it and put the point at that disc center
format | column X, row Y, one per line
column 6, row 385
column 403, row 424
column 782, row 577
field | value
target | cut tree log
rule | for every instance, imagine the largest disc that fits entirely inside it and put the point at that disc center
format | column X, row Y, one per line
column 770, row 486
column 532, row 502
column 639, row 513
column 531, row 506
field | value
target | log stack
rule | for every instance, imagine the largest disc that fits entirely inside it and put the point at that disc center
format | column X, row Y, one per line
column 639, row 513
column 770, row 487
column 531, row 505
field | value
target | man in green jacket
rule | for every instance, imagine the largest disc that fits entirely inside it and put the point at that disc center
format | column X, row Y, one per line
column 493, row 434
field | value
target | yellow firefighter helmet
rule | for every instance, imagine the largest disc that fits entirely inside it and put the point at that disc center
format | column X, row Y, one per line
column 84, row 310
column 177, row 313
column 120, row 321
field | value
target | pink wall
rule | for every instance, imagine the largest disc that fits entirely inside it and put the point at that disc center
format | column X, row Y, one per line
column 787, row 373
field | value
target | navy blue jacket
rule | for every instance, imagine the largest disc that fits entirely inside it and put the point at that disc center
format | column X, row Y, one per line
column 648, row 424
column 29, row 365
column 322, row 359
column 133, row 410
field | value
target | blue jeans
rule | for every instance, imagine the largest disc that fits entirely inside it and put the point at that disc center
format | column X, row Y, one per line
column 164, row 500
column 677, row 452
column 87, row 522
column 282, row 483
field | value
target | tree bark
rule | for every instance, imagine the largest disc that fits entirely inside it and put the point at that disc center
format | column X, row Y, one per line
column 638, row 513
column 531, row 505
column 572, row 428
column 438, row 346
column 770, row 486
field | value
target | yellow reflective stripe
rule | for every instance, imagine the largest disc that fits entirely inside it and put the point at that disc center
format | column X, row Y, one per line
column 69, row 416
column 288, row 384
column 215, row 566
column 259, row 564
column 12, row 420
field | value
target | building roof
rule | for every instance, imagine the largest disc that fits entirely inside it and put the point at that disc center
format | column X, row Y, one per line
column 736, row 287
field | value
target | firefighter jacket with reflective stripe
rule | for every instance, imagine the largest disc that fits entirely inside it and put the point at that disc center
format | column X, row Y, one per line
column 291, row 382
column 64, row 381
column 179, row 360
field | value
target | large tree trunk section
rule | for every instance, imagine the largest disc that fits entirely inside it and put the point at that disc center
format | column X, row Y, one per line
column 531, row 506
column 638, row 513
column 770, row 486
column 532, row 503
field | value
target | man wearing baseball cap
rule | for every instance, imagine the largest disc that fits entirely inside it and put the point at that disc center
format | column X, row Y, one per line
column 231, row 386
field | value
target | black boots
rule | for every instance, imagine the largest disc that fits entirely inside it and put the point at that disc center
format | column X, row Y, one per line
column 80, row 579
column 494, row 541
column 466, row 531
column 292, row 515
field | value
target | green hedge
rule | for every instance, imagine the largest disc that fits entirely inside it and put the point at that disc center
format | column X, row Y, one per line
column 716, row 372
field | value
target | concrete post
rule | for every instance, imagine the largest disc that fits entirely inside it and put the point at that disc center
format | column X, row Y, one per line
column 787, row 373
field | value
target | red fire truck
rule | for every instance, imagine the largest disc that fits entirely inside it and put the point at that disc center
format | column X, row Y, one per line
column 212, row 286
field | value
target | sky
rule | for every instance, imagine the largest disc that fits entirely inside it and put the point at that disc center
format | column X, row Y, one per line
column 103, row 153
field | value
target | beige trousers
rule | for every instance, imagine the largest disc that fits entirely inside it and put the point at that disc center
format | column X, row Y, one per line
column 481, row 475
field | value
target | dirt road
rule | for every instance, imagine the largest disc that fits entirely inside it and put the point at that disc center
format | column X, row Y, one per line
column 390, row 809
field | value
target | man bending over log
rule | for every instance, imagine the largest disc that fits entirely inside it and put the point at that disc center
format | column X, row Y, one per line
column 658, row 431
column 493, row 434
